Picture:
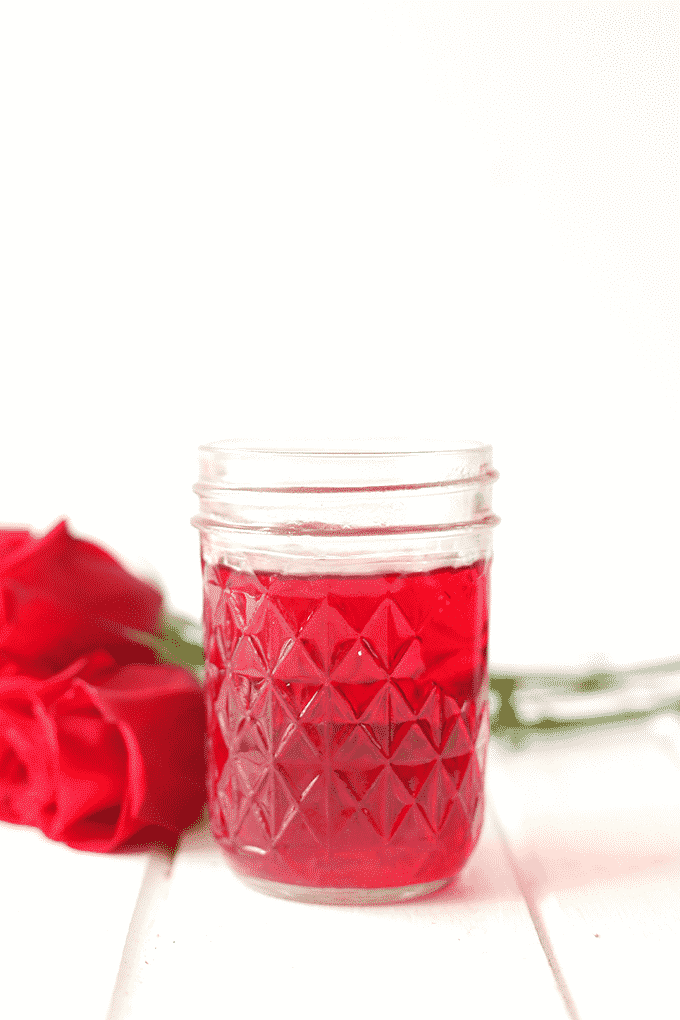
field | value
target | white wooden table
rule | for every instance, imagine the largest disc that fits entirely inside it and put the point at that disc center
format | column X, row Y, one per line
column 569, row 907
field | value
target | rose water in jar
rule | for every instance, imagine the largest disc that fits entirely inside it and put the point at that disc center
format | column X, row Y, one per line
column 346, row 608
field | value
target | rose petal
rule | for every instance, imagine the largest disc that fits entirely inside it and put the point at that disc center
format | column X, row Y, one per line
column 28, row 755
column 160, row 708
column 93, row 764
column 11, row 541
column 62, row 596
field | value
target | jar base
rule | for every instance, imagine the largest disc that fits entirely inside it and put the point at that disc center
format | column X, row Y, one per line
column 343, row 897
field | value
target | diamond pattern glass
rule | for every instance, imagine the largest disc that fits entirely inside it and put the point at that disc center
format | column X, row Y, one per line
column 348, row 723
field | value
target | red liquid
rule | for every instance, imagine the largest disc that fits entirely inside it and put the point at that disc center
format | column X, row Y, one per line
column 348, row 723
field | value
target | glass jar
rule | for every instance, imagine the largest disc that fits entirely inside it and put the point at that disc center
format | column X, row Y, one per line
column 345, row 624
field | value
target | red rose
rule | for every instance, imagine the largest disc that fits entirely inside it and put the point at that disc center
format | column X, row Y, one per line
column 61, row 597
column 100, row 756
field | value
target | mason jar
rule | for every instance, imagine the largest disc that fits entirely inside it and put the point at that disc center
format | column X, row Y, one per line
column 346, row 611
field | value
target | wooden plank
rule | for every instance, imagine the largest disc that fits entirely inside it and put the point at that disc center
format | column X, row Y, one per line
column 65, row 917
column 220, row 949
column 141, row 932
column 593, row 821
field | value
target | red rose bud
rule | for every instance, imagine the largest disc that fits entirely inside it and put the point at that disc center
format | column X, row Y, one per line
column 61, row 597
column 102, row 757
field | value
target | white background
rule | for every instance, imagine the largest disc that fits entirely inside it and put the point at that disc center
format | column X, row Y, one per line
column 251, row 219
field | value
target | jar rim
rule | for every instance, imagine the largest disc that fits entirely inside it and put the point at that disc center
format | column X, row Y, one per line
column 386, row 446
column 340, row 465
column 298, row 487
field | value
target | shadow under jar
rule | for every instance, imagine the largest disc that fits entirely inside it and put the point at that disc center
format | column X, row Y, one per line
column 346, row 607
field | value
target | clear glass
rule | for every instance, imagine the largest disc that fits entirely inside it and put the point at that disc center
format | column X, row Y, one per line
column 346, row 601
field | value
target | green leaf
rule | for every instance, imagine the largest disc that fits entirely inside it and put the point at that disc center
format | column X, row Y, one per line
column 177, row 644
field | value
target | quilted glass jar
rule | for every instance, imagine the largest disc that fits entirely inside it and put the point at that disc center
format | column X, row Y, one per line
column 346, row 605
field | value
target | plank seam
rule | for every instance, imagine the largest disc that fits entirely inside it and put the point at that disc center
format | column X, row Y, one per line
column 153, row 893
column 535, row 915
